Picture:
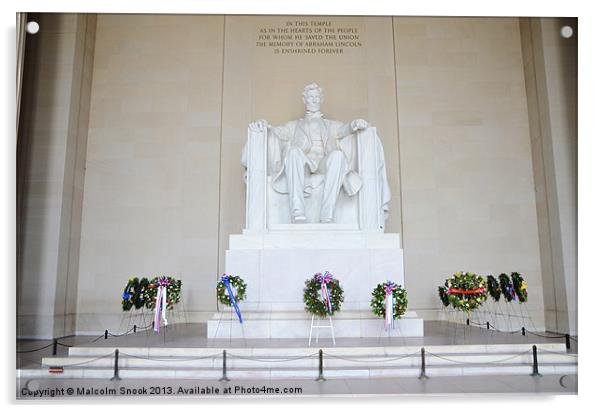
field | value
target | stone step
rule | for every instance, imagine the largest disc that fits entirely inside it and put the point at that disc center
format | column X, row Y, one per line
column 383, row 350
column 301, row 373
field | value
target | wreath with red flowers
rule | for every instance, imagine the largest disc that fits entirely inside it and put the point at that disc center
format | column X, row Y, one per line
column 174, row 289
column 466, row 291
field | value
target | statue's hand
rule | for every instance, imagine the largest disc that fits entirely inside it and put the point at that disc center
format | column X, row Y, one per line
column 359, row 124
column 259, row 125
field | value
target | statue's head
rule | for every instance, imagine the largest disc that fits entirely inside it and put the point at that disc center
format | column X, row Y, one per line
column 313, row 97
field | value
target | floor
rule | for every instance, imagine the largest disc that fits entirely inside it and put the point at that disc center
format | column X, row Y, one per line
column 550, row 385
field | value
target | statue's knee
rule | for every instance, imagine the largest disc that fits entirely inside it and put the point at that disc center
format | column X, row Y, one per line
column 294, row 154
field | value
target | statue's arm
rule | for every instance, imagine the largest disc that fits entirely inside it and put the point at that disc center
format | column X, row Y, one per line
column 278, row 142
column 346, row 129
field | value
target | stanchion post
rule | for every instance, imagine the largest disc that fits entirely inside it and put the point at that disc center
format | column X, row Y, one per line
column 224, row 371
column 116, row 366
column 487, row 325
column 423, row 375
column 523, row 331
column 134, row 328
column 468, row 321
column 320, row 366
column 54, row 345
column 106, row 334
column 567, row 341
column 535, row 364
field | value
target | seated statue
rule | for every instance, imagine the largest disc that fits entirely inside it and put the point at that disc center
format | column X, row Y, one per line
column 314, row 146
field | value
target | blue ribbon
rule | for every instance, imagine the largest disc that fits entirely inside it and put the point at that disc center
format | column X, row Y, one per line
column 226, row 280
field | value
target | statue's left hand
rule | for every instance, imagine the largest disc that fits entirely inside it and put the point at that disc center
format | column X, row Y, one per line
column 359, row 124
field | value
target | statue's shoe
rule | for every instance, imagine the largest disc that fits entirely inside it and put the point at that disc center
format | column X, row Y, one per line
column 299, row 219
column 326, row 220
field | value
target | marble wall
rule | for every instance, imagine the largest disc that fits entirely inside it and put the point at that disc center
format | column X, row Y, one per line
column 51, row 160
column 151, row 202
column 170, row 100
column 466, row 177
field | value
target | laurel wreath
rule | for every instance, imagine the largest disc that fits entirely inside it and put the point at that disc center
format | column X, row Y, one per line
column 443, row 296
column 400, row 296
column 312, row 296
column 173, row 292
column 133, row 294
column 520, row 286
column 506, row 287
column 493, row 288
column 239, row 288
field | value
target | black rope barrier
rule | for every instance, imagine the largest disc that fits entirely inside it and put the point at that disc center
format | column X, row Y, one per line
column 543, row 350
column 479, row 362
column 374, row 361
column 34, row 350
column 544, row 335
column 175, row 359
column 273, row 360
column 73, row 364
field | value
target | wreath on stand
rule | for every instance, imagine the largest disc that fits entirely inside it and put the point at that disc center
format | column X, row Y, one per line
column 238, row 286
column 506, row 287
column 493, row 288
column 322, row 295
column 466, row 291
column 174, row 288
column 400, row 299
column 133, row 294
column 520, row 287
column 443, row 296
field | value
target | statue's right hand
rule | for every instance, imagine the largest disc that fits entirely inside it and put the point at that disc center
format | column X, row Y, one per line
column 259, row 125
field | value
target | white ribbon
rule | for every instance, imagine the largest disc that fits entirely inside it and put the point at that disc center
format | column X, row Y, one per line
column 389, row 306
column 160, row 307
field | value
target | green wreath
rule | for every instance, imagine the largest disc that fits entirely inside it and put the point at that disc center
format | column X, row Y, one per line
column 239, row 288
column 506, row 287
column 400, row 297
column 493, row 288
column 133, row 294
column 520, row 287
column 174, row 289
column 466, row 290
column 312, row 296
column 443, row 296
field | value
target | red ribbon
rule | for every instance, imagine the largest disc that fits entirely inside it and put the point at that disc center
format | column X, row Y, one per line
column 477, row 291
